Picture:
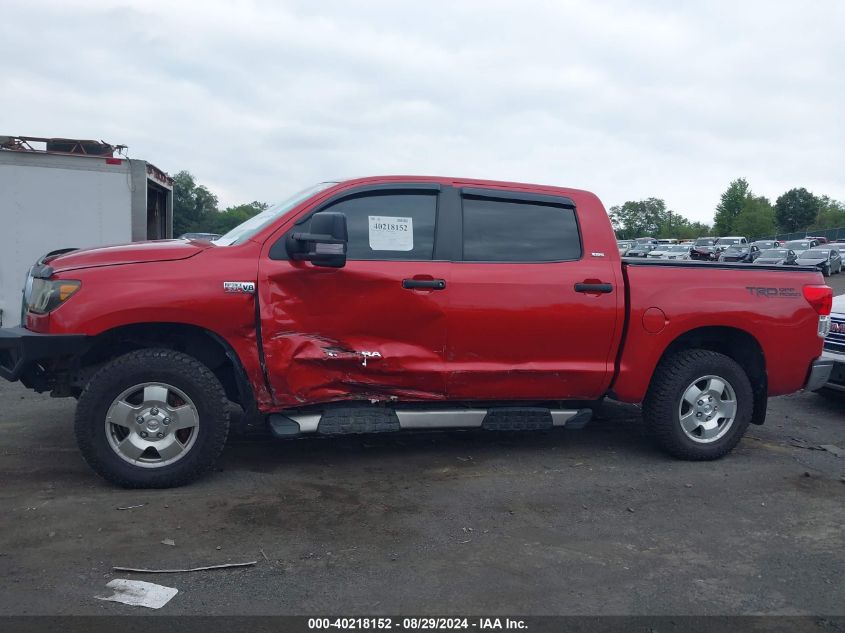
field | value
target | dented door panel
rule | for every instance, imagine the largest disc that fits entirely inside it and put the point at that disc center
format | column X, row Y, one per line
column 353, row 332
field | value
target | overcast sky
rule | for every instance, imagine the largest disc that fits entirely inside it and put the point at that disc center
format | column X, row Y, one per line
column 628, row 99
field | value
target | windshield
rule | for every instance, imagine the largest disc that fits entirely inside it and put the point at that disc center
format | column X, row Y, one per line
column 738, row 248
column 247, row 229
column 707, row 242
column 728, row 240
column 775, row 253
column 814, row 254
column 798, row 246
column 678, row 249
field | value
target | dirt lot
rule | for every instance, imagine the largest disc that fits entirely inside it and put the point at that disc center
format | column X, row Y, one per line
column 578, row 522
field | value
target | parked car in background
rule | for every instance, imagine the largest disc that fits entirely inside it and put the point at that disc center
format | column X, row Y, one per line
column 659, row 250
column 641, row 250
column 679, row 251
column 624, row 246
column 765, row 244
column 799, row 246
column 819, row 239
column 834, row 350
column 723, row 242
column 208, row 237
column 703, row 248
column 646, row 240
column 827, row 260
column 667, row 241
column 740, row 253
column 777, row 257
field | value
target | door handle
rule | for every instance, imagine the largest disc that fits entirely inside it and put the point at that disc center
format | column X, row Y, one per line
column 427, row 284
column 598, row 288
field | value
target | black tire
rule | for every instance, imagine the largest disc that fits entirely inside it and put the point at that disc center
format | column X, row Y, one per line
column 181, row 371
column 668, row 384
column 826, row 271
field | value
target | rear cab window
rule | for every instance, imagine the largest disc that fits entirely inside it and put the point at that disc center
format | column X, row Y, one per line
column 513, row 228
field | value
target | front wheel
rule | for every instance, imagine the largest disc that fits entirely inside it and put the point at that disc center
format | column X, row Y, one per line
column 699, row 404
column 826, row 271
column 153, row 418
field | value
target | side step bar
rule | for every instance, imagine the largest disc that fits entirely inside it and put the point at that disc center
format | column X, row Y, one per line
column 352, row 420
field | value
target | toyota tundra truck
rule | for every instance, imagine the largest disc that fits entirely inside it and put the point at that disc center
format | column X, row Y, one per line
column 391, row 303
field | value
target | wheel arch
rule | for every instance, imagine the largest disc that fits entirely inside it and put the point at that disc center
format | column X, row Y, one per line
column 206, row 346
column 734, row 343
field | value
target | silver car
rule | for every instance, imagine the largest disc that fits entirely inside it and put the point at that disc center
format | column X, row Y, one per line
column 834, row 348
column 624, row 246
column 679, row 251
column 827, row 260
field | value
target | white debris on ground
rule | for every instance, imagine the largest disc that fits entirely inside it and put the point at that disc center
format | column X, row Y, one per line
column 138, row 593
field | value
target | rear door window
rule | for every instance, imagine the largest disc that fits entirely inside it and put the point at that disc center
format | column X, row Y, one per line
column 512, row 230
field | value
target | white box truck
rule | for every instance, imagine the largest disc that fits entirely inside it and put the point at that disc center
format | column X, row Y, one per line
column 60, row 193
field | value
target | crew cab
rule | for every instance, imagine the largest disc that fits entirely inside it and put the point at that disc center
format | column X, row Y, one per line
column 390, row 303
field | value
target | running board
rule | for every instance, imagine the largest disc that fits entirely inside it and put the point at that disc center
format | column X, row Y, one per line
column 353, row 420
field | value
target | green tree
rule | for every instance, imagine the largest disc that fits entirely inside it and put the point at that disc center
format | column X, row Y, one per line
column 228, row 219
column 796, row 209
column 756, row 218
column 639, row 218
column 831, row 214
column 193, row 204
column 730, row 206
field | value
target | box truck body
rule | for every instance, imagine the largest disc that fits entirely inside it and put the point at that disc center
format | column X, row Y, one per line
column 51, row 200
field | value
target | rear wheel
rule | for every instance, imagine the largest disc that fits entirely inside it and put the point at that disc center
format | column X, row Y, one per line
column 154, row 418
column 699, row 404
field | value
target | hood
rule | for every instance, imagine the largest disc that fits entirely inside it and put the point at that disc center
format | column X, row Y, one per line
column 135, row 253
column 814, row 261
column 768, row 260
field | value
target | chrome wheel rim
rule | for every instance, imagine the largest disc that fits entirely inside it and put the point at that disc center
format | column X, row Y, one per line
column 707, row 409
column 152, row 425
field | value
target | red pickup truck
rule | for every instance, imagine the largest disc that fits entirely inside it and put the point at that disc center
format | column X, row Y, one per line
column 390, row 303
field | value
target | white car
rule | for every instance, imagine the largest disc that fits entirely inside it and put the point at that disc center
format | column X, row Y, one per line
column 659, row 251
column 679, row 251
column 834, row 347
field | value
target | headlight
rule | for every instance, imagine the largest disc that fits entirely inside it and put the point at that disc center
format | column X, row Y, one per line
column 45, row 295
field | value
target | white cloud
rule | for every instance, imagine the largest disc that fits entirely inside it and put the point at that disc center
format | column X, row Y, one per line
column 628, row 99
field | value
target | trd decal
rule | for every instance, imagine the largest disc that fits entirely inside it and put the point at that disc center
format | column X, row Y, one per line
column 772, row 292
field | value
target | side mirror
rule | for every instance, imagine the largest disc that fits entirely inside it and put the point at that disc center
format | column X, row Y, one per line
column 325, row 245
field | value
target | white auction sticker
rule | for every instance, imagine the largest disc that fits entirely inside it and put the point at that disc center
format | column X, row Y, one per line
column 391, row 234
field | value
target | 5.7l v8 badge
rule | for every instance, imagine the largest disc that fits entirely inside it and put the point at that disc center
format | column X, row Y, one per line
column 247, row 287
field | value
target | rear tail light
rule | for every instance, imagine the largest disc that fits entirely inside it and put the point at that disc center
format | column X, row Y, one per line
column 820, row 297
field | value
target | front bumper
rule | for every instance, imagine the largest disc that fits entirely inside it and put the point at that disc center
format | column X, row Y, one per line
column 819, row 373
column 20, row 349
